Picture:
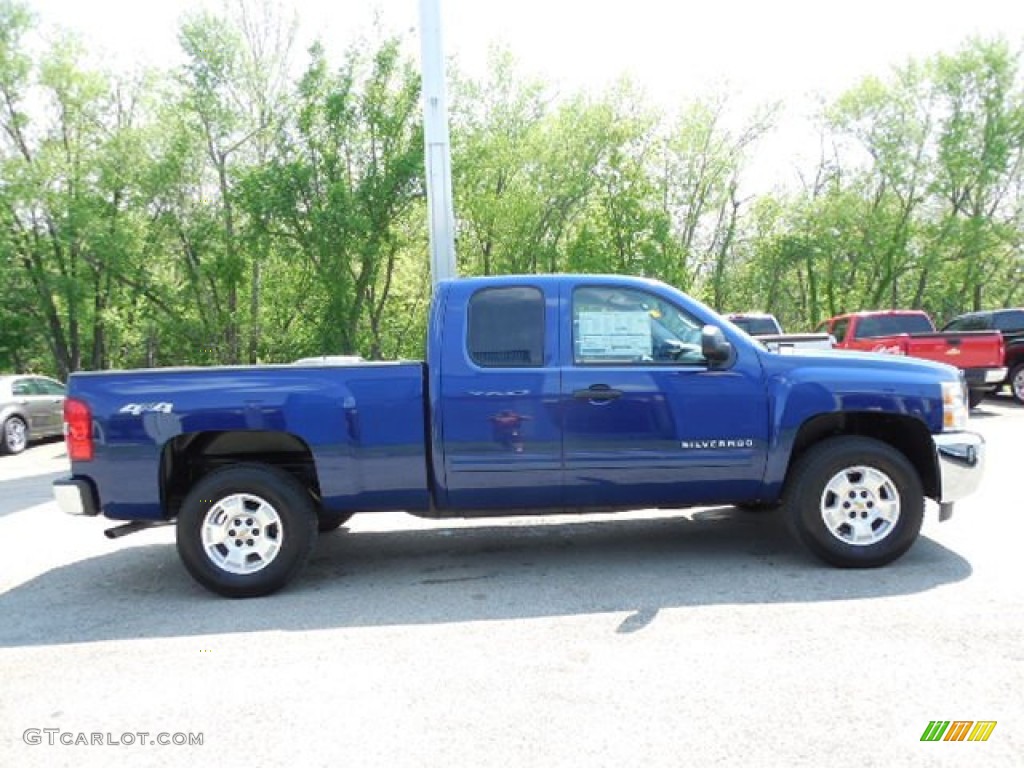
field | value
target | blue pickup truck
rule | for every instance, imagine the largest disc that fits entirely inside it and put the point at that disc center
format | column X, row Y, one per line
column 541, row 394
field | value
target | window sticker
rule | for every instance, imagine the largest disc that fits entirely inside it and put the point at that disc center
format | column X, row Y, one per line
column 615, row 335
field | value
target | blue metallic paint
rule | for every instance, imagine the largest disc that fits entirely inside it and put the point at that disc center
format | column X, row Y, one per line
column 364, row 426
column 639, row 449
column 802, row 387
column 502, row 434
column 507, row 438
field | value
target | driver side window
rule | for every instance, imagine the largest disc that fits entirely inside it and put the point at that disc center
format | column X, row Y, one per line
column 625, row 326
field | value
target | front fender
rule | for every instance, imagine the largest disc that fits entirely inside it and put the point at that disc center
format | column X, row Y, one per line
column 802, row 396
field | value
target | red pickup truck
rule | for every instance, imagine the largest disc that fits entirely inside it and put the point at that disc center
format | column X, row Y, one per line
column 979, row 354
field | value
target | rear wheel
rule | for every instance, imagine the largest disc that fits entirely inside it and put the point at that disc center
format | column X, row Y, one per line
column 246, row 530
column 975, row 396
column 1017, row 383
column 855, row 502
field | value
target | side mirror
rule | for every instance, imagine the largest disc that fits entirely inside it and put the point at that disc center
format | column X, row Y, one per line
column 713, row 344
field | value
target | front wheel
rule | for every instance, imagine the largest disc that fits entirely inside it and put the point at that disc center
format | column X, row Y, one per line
column 1017, row 383
column 855, row 502
column 246, row 530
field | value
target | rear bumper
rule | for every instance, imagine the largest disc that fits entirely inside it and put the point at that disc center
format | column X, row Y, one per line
column 75, row 497
column 984, row 378
column 961, row 460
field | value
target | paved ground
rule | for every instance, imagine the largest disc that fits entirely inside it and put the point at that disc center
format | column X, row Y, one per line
column 650, row 639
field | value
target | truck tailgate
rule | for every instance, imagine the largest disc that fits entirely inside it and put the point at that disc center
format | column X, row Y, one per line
column 967, row 349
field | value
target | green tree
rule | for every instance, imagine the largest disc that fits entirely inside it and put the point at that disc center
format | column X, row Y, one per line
column 335, row 195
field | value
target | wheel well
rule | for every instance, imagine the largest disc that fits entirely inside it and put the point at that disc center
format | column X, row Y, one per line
column 904, row 433
column 188, row 458
column 23, row 417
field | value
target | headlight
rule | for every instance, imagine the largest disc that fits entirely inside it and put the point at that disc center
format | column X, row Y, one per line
column 954, row 406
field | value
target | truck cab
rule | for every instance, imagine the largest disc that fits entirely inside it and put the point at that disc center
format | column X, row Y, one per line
column 606, row 385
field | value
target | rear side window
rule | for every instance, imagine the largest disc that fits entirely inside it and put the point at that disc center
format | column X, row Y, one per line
column 47, row 387
column 840, row 328
column 1010, row 321
column 969, row 323
column 757, row 325
column 506, row 327
column 24, row 387
column 890, row 325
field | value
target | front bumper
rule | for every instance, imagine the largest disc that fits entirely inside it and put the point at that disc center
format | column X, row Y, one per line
column 76, row 497
column 960, row 457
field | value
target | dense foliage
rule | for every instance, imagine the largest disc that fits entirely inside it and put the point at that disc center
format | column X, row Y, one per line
column 232, row 211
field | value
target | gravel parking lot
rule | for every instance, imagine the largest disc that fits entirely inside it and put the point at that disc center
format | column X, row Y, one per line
column 702, row 637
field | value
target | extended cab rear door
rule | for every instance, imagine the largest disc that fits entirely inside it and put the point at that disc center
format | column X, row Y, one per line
column 646, row 420
column 499, row 385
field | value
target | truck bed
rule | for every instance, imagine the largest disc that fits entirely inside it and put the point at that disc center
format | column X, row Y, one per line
column 362, row 426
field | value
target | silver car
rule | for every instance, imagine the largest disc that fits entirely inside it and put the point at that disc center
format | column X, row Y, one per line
column 31, row 407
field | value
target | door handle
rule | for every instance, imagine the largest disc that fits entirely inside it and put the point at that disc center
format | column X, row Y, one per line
column 597, row 392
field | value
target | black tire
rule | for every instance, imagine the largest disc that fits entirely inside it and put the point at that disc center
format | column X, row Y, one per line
column 886, row 502
column 327, row 522
column 1016, row 382
column 265, row 502
column 15, row 436
column 975, row 396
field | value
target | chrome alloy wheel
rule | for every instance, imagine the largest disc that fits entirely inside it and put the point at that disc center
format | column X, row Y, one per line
column 860, row 506
column 1017, row 383
column 15, row 435
column 242, row 533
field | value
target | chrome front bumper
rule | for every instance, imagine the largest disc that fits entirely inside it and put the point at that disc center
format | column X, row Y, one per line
column 961, row 460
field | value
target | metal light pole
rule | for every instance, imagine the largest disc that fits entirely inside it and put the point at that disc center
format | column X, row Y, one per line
column 437, row 146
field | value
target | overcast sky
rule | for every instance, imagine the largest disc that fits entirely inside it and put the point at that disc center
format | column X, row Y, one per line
column 762, row 50
column 779, row 47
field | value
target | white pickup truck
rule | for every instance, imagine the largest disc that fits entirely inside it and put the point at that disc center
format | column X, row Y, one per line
column 767, row 329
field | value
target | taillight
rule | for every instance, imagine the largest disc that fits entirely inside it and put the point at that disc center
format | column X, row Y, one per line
column 78, row 429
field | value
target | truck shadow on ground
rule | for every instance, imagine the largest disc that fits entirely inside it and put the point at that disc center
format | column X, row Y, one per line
column 458, row 574
column 993, row 402
column 981, row 412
